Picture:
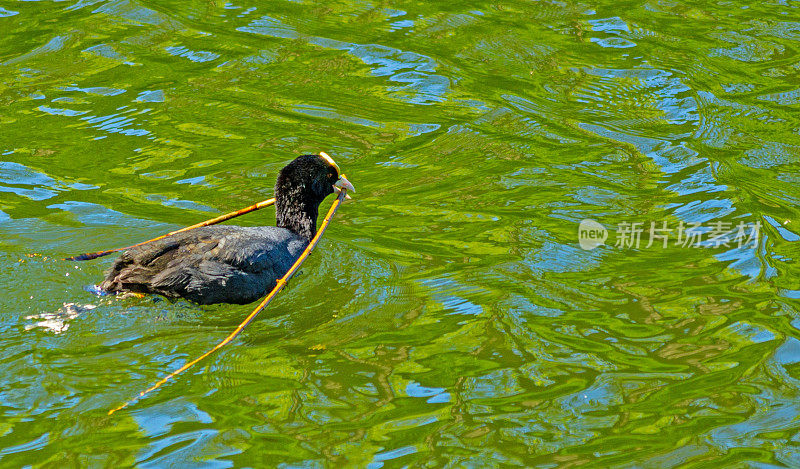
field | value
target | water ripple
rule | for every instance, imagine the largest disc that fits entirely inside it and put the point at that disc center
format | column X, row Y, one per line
column 449, row 317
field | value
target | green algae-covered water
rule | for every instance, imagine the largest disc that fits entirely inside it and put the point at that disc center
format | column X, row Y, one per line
column 454, row 315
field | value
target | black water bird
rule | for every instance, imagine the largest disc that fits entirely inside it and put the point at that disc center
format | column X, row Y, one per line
column 234, row 264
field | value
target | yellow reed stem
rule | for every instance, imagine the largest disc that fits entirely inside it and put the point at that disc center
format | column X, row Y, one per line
column 213, row 221
column 280, row 283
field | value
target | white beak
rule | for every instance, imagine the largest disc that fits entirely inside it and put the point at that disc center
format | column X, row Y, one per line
column 343, row 183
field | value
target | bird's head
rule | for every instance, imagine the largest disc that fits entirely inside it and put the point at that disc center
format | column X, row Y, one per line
column 313, row 177
column 302, row 185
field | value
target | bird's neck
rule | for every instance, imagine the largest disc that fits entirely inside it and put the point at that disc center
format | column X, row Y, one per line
column 297, row 214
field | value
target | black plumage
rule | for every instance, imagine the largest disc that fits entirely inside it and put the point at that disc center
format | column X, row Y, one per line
column 233, row 264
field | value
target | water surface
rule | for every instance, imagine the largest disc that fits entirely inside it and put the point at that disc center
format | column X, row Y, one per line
column 449, row 318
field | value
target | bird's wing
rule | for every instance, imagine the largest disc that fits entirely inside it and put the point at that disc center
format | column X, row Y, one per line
column 241, row 267
column 258, row 250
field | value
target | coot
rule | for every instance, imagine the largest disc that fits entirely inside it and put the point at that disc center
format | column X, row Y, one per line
column 234, row 264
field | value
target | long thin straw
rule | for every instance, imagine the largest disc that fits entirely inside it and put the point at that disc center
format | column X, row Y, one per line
column 94, row 255
column 278, row 287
